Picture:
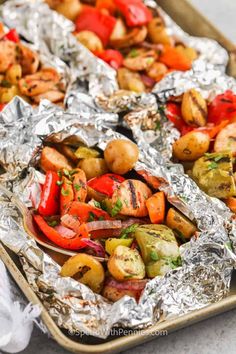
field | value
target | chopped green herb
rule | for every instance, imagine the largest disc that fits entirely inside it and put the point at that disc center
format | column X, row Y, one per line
column 77, row 187
column 97, row 204
column 126, row 202
column 129, row 276
column 59, row 173
column 128, row 230
column 158, row 125
column 79, row 199
column 212, row 166
column 154, row 256
column 101, row 218
column 91, row 216
column 59, row 183
column 66, row 172
column 65, row 192
column 52, row 223
column 174, row 262
column 117, row 208
column 72, row 172
column 103, row 205
column 133, row 53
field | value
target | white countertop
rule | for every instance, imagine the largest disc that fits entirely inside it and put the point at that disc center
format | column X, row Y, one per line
column 216, row 335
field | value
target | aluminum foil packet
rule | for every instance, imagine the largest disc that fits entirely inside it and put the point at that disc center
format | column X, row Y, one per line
column 207, row 261
column 52, row 32
column 203, row 77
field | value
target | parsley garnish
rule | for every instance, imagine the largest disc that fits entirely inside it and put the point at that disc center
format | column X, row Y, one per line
column 212, row 166
column 66, row 172
column 154, row 256
column 128, row 230
column 97, row 204
column 117, row 208
column 65, row 192
column 52, row 223
column 77, row 187
column 59, row 183
column 91, row 216
column 174, row 262
column 158, row 125
column 103, row 205
column 133, row 53
column 101, row 218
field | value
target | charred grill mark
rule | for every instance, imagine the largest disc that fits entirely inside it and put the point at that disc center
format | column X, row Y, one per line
column 83, row 185
column 200, row 108
column 113, row 178
column 133, row 194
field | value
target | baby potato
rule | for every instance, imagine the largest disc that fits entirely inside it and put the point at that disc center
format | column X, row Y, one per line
column 194, row 108
column 121, row 156
column 157, row 32
column 7, row 94
column 191, row 146
column 126, row 263
column 157, row 71
column 90, row 40
column 14, row 74
column 93, row 167
column 119, row 30
column 129, row 80
column 69, row 8
column 86, row 269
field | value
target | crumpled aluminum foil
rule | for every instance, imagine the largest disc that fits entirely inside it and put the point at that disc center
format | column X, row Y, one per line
column 208, row 260
column 51, row 32
column 206, row 79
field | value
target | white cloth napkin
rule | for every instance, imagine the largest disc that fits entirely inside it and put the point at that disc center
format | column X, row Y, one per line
column 16, row 320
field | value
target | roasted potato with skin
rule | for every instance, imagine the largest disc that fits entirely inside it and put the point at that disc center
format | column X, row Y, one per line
column 93, row 167
column 69, row 8
column 126, row 263
column 191, row 146
column 121, row 155
column 86, row 269
column 157, row 32
column 157, row 71
column 14, row 74
column 52, row 160
column 129, row 80
column 179, row 223
column 194, row 108
column 90, row 40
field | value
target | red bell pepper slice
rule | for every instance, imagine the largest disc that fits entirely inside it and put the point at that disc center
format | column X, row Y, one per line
column 223, row 107
column 91, row 19
column 134, row 11
column 66, row 195
column 86, row 213
column 112, row 57
column 173, row 113
column 106, row 184
column 49, row 202
column 12, row 36
column 53, row 235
